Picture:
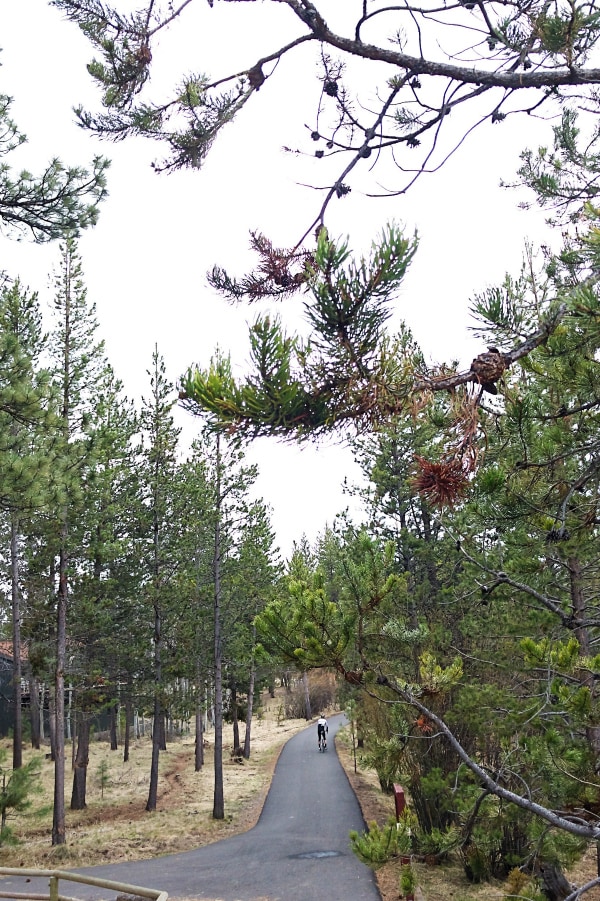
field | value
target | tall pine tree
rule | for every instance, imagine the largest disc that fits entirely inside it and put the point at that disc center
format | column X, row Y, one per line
column 26, row 419
column 158, row 527
column 78, row 360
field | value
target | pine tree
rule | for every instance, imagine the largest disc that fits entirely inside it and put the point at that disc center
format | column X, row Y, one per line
column 232, row 481
column 537, row 495
column 258, row 569
column 78, row 360
column 158, row 530
column 194, row 635
column 25, row 456
column 218, row 541
column 62, row 199
column 218, row 555
column 107, row 570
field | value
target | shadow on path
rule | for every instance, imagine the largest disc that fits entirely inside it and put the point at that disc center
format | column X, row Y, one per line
column 298, row 851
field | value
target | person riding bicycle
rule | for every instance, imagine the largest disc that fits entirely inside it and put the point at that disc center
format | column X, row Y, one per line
column 322, row 730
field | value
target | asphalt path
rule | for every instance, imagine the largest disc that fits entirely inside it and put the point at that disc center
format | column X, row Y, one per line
column 298, row 851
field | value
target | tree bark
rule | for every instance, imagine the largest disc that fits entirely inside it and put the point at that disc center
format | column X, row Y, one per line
column 114, row 742
column 586, row 677
column 234, row 715
column 307, row 707
column 36, row 712
column 162, row 730
column 16, row 644
column 554, row 883
column 158, row 645
column 58, row 818
column 218, row 799
column 153, row 790
column 128, row 727
column 52, row 722
column 199, row 746
column 249, row 712
column 82, row 759
column 156, row 725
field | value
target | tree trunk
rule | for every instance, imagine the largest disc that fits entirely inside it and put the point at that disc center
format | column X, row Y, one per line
column 82, row 759
column 114, row 743
column 157, row 502
column 52, row 722
column 16, row 644
column 234, row 714
column 199, row 749
column 71, row 718
column 199, row 741
column 249, row 712
column 58, row 818
column 36, row 712
column 218, row 799
column 153, row 791
column 128, row 726
column 158, row 640
column 162, row 731
column 70, row 726
column 156, row 725
column 586, row 677
column 43, row 694
column 554, row 884
column 307, row 708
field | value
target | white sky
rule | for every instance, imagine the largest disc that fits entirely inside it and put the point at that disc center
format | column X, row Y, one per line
column 145, row 262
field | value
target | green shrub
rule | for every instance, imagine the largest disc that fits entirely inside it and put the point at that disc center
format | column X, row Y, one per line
column 103, row 775
column 379, row 844
column 15, row 788
column 408, row 880
column 438, row 841
column 520, row 885
column 476, row 864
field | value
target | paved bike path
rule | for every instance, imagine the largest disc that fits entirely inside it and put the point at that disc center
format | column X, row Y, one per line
column 298, row 851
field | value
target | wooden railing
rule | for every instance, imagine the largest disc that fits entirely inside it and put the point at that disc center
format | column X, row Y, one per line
column 55, row 876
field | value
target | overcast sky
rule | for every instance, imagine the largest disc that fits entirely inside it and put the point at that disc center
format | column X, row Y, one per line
column 145, row 262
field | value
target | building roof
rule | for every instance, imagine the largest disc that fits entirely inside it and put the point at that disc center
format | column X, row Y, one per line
column 6, row 649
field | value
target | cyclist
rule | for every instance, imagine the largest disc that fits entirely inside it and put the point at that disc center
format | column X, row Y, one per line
column 322, row 730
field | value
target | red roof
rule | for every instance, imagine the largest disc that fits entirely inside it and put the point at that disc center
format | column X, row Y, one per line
column 6, row 649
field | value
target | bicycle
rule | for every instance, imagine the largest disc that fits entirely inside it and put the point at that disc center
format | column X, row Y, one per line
column 322, row 742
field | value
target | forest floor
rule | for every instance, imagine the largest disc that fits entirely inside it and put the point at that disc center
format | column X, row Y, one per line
column 116, row 827
column 446, row 882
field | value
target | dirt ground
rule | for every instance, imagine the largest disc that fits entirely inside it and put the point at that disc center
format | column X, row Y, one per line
column 116, row 827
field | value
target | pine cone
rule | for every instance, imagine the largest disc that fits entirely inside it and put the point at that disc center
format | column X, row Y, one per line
column 256, row 77
column 488, row 368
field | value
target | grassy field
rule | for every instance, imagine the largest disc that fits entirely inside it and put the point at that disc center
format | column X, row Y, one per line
column 115, row 825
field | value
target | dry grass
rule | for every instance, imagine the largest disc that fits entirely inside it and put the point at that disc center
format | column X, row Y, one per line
column 117, row 827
